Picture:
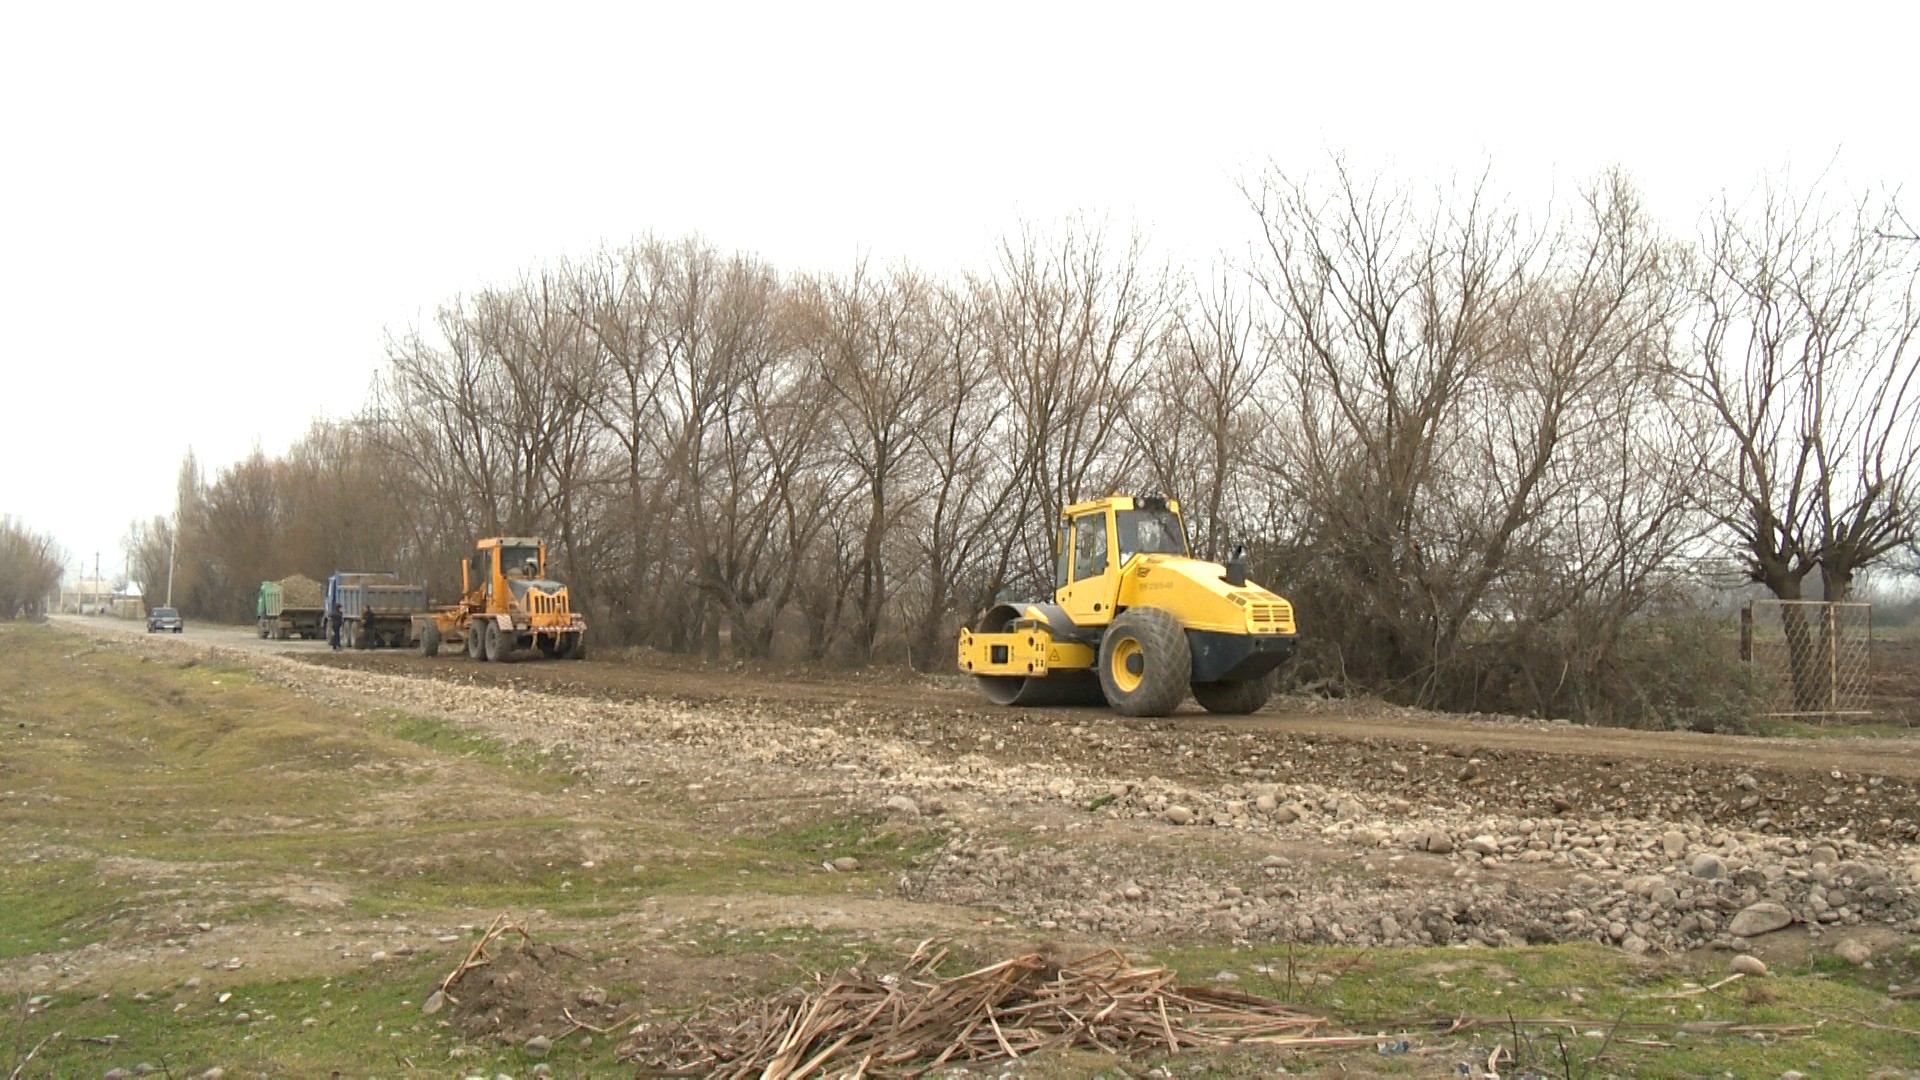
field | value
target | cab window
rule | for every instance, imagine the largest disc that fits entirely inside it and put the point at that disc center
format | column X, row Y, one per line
column 1063, row 562
column 1143, row 531
column 1089, row 546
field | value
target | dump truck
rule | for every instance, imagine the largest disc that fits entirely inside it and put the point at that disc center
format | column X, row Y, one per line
column 391, row 602
column 1135, row 622
column 289, row 608
column 508, row 607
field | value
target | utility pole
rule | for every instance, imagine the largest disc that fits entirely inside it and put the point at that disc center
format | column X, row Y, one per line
column 96, row 582
column 173, row 541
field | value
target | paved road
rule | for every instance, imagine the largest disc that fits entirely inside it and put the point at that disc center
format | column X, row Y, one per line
column 232, row 637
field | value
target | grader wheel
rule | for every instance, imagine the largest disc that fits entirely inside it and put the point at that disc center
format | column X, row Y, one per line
column 500, row 645
column 430, row 639
column 1145, row 663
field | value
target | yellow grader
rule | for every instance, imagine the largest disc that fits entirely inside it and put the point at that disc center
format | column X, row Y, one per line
column 508, row 608
column 1135, row 621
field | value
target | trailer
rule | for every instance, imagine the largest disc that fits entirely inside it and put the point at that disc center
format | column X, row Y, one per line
column 289, row 608
column 376, row 608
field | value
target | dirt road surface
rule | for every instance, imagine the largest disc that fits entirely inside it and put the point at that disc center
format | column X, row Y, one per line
column 1452, row 828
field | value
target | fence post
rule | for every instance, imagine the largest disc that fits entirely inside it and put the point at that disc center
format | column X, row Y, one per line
column 1746, row 634
column 1833, row 658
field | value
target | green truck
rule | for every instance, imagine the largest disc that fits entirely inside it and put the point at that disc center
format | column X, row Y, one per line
column 290, row 608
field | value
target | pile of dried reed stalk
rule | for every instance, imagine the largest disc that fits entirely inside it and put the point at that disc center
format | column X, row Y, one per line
column 856, row 1023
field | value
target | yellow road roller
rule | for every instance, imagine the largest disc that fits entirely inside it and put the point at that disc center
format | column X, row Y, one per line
column 1135, row 621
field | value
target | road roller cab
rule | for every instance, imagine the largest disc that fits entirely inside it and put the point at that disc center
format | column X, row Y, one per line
column 1135, row 621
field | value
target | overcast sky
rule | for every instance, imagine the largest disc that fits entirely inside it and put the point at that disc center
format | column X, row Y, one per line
column 211, row 216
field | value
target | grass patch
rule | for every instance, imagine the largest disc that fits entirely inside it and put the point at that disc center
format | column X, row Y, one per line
column 1602, row 992
column 356, row 1024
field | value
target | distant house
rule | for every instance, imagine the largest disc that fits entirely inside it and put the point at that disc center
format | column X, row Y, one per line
column 99, row 596
column 87, row 596
column 129, row 601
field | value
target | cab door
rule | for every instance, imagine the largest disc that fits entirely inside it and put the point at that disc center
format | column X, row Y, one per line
column 1093, row 572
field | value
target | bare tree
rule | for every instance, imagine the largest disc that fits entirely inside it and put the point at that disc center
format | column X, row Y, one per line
column 1199, row 419
column 872, row 341
column 1069, row 327
column 1443, row 372
column 1805, row 354
column 30, row 568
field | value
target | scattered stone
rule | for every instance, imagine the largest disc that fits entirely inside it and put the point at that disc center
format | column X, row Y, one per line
column 846, row 864
column 1439, row 843
column 1133, row 892
column 378, row 957
column 1348, row 810
column 1823, row 855
column 593, row 996
column 900, row 804
column 215, row 1073
column 1178, row 815
column 1748, row 964
column 1275, row 862
column 434, row 1003
column 1483, row 845
column 1853, row 951
column 538, row 1046
column 1673, row 845
column 116, row 1074
column 1761, row 918
column 1708, row 866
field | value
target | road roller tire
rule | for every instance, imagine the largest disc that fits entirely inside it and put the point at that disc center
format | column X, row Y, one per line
column 430, row 639
column 1234, row 698
column 1145, row 663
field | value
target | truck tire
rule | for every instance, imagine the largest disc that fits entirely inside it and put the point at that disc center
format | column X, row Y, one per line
column 1145, row 663
column 430, row 639
column 1234, row 697
column 477, row 639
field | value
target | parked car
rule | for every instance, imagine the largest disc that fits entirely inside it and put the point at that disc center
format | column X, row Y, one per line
column 165, row 618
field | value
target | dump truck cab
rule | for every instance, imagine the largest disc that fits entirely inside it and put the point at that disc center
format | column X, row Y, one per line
column 1134, row 620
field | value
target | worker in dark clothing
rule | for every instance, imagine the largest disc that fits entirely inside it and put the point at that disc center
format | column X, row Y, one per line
column 333, row 626
column 366, row 628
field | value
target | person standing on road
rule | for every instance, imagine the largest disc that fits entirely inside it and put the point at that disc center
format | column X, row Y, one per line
column 333, row 626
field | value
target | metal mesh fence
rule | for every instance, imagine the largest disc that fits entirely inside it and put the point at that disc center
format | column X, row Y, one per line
column 1812, row 657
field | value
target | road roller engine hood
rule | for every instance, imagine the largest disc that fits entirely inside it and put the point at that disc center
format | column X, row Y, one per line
column 1197, row 593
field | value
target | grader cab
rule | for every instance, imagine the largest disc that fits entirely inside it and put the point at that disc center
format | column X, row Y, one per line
column 508, row 607
column 1134, row 621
